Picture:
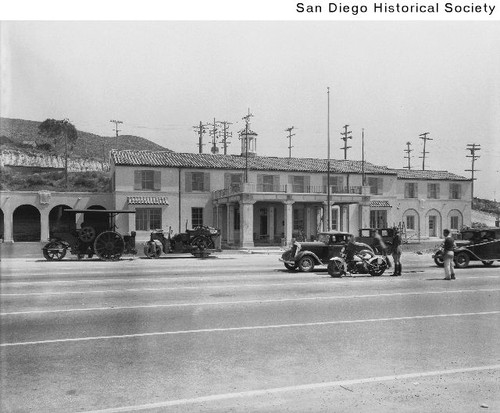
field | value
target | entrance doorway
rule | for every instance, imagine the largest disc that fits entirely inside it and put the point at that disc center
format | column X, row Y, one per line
column 432, row 226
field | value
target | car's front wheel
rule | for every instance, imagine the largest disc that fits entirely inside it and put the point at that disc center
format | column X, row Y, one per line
column 438, row 259
column 306, row 264
column 462, row 260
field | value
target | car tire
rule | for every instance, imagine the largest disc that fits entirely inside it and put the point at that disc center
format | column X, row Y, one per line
column 290, row 267
column 438, row 259
column 462, row 260
column 488, row 263
column 306, row 264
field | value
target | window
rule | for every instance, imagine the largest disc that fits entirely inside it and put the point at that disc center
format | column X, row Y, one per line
column 147, row 219
column 378, row 219
column 433, row 191
column 411, row 190
column 375, row 186
column 147, row 180
column 299, row 183
column 336, row 183
column 454, row 222
column 455, row 191
column 410, row 222
column 197, row 181
column 196, row 217
column 268, row 183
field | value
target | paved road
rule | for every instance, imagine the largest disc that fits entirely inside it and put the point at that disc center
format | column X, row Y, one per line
column 239, row 333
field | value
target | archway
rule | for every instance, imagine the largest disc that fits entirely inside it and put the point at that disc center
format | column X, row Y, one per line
column 26, row 224
column 411, row 221
column 433, row 222
column 61, row 221
column 455, row 220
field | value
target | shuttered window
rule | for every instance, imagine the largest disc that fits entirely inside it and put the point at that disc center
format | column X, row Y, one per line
column 411, row 190
column 197, row 182
column 455, row 191
column 433, row 191
column 147, row 180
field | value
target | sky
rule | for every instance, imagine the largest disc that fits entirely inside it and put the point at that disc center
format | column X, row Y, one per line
column 393, row 79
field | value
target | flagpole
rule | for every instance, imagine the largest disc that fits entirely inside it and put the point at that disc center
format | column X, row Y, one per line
column 329, row 209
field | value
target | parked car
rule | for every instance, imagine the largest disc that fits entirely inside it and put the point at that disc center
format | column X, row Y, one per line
column 304, row 256
column 367, row 235
column 474, row 244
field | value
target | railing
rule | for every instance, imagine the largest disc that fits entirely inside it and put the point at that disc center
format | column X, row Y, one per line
column 293, row 189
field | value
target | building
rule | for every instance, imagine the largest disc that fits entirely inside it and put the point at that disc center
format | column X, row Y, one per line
column 252, row 199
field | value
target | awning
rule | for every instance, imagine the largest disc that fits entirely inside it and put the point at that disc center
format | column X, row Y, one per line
column 380, row 204
column 147, row 200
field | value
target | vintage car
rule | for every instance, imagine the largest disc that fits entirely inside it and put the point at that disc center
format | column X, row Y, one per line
column 304, row 256
column 474, row 244
column 367, row 235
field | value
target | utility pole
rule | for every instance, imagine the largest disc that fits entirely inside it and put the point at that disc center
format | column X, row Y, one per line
column 213, row 134
column 200, row 130
column 346, row 135
column 116, row 122
column 225, row 134
column 425, row 138
column 473, row 147
column 247, row 123
column 289, row 130
column 408, row 156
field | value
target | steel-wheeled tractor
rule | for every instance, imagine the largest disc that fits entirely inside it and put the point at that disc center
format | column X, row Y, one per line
column 97, row 236
column 199, row 241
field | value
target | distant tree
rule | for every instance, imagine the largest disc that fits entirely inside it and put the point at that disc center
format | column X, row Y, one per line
column 56, row 130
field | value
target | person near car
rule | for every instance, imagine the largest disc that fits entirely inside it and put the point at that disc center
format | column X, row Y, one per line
column 379, row 244
column 396, row 252
column 448, row 255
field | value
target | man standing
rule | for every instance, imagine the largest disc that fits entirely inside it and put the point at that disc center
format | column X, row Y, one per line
column 448, row 254
column 396, row 252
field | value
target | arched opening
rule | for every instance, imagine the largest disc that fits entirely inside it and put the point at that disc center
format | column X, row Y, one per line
column 434, row 223
column 26, row 224
column 61, row 221
column 411, row 221
column 455, row 220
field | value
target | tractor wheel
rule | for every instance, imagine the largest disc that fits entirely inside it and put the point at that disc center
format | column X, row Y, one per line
column 200, row 243
column 488, row 263
column 152, row 249
column 87, row 234
column 290, row 267
column 439, row 259
column 54, row 251
column 109, row 246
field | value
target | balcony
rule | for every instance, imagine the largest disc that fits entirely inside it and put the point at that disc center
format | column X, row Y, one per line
column 284, row 189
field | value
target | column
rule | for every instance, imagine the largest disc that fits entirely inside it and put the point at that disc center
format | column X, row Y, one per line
column 8, row 225
column 320, row 217
column 307, row 229
column 270, row 224
column 246, row 223
column 288, row 221
column 230, row 224
column 44, row 224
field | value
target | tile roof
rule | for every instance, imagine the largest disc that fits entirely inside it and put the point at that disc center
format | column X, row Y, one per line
column 380, row 204
column 259, row 163
column 147, row 200
column 429, row 175
column 267, row 163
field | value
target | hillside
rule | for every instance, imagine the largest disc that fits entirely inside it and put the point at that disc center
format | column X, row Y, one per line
column 19, row 134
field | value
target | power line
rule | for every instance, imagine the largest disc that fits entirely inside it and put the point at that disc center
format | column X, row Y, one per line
column 289, row 130
column 245, row 133
column 213, row 133
column 346, row 135
column 425, row 138
column 408, row 156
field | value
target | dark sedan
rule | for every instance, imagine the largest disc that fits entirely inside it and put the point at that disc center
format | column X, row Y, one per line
column 304, row 256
